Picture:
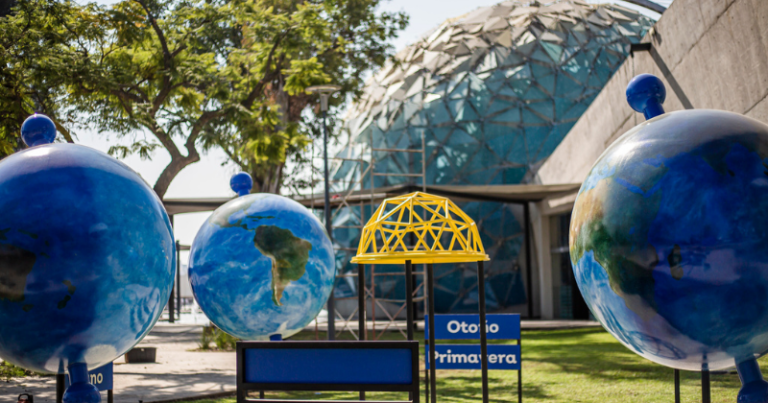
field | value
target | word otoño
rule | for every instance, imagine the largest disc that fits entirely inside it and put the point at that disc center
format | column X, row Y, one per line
column 474, row 358
column 455, row 326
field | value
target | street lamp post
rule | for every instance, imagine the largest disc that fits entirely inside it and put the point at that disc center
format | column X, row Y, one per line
column 325, row 92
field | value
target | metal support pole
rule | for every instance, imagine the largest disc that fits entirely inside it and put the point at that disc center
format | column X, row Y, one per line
column 409, row 322
column 431, row 303
column 178, row 279
column 110, row 396
column 520, row 376
column 528, row 274
column 677, row 386
column 705, row 395
column 426, row 371
column 172, row 299
column 328, row 228
column 409, row 298
column 361, row 326
column 60, row 387
column 483, row 340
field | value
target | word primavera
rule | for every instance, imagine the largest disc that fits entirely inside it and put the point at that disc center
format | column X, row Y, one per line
column 474, row 358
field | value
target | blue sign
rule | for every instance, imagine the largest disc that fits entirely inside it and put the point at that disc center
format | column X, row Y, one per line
column 100, row 377
column 467, row 356
column 466, row 327
column 329, row 365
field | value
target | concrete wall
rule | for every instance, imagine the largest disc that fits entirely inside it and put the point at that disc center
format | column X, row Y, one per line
column 711, row 54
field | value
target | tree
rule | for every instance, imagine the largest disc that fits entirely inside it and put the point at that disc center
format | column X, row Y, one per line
column 355, row 41
column 34, row 53
column 171, row 70
column 192, row 74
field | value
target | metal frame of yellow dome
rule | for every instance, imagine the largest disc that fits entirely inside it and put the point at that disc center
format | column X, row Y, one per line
column 446, row 218
column 441, row 221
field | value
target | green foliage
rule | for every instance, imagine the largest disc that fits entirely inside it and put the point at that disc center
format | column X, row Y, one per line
column 219, row 338
column 9, row 370
column 187, row 75
column 36, row 64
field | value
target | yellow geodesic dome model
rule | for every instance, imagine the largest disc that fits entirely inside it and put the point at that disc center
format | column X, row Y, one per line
column 442, row 233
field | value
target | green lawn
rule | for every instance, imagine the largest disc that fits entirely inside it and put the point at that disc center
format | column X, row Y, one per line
column 586, row 365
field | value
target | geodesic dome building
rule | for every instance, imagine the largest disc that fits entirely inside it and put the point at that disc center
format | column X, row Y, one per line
column 490, row 94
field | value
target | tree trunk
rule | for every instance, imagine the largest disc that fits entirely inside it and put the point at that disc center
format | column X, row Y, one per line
column 267, row 179
column 170, row 172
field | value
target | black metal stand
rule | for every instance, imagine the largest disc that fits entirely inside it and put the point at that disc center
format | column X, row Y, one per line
column 178, row 279
column 409, row 297
column 431, row 303
column 329, row 229
column 59, row 387
column 172, row 298
column 426, row 371
column 483, row 340
column 705, row 395
column 409, row 302
column 361, row 326
column 520, row 374
column 677, row 386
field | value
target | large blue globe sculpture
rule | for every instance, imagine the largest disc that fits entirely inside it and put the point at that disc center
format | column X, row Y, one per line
column 87, row 256
column 262, row 266
column 669, row 238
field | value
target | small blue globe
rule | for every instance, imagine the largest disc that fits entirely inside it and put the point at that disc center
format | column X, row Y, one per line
column 262, row 265
column 669, row 239
column 87, row 256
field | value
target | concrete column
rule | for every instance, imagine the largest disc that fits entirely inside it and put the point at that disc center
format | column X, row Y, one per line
column 540, row 226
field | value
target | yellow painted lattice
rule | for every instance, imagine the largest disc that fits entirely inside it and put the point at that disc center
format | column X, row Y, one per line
column 442, row 233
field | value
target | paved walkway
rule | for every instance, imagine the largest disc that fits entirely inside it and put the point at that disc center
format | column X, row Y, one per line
column 180, row 373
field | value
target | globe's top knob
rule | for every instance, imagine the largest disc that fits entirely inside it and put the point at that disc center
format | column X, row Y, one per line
column 37, row 130
column 646, row 93
column 241, row 183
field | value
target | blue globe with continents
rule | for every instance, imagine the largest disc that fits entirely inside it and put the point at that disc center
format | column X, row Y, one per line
column 262, row 266
column 87, row 257
column 669, row 238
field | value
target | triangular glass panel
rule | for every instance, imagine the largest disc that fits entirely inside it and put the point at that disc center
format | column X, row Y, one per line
column 535, row 94
column 566, row 86
column 547, row 83
column 437, row 113
column 517, row 153
column 442, row 133
column 545, row 109
column 562, row 105
column 531, row 118
column 554, row 51
column 459, row 136
column 535, row 137
column 498, row 105
column 541, row 56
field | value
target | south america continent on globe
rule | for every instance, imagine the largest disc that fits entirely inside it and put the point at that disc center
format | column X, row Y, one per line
column 669, row 238
column 261, row 265
column 87, row 257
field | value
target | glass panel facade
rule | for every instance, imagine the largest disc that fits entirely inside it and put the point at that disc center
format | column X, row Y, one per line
column 493, row 93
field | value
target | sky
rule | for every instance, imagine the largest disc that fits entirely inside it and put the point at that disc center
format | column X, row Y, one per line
column 210, row 176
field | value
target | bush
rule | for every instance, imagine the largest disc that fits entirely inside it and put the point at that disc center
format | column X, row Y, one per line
column 8, row 371
column 222, row 340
